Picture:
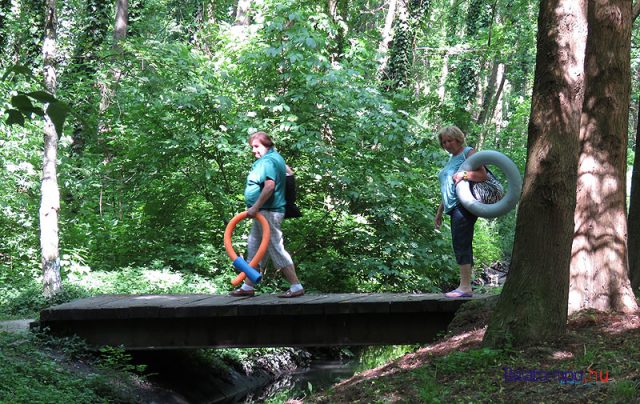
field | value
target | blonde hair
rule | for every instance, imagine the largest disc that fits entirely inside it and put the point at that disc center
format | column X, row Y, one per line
column 453, row 132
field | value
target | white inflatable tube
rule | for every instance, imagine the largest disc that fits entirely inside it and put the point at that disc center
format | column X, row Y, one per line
column 508, row 202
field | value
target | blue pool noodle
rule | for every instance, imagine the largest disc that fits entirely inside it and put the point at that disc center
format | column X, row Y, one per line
column 243, row 266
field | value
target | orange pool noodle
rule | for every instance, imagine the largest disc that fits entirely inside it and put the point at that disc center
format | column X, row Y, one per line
column 266, row 233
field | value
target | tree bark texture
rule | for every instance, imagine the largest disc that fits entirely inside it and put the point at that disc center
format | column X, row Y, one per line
column 488, row 91
column 599, row 265
column 633, row 221
column 388, row 23
column 533, row 303
column 50, row 193
column 122, row 21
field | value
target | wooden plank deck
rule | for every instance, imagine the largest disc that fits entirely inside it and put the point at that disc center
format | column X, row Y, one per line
column 194, row 321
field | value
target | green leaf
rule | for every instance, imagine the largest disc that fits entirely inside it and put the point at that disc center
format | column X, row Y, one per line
column 35, row 110
column 57, row 112
column 311, row 42
column 42, row 96
column 21, row 102
column 15, row 116
column 18, row 69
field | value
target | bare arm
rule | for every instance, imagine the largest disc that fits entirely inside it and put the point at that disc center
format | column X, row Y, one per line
column 477, row 175
column 265, row 194
column 438, row 218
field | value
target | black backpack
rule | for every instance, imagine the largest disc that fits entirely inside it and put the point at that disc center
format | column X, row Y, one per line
column 290, row 209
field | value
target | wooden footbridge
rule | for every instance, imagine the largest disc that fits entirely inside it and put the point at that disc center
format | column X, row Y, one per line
column 140, row 322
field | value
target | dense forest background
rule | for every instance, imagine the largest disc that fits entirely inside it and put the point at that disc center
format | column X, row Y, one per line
column 153, row 155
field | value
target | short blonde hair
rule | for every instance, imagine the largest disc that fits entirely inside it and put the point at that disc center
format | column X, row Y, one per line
column 453, row 132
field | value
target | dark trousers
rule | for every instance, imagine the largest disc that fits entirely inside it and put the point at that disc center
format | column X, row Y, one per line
column 462, row 223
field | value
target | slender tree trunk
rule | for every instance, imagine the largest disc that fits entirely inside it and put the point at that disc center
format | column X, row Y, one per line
column 502, row 77
column 242, row 13
column 599, row 265
column 387, row 36
column 209, row 12
column 120, row 27
column 633, row 221
column 487, row 97
column 388, row 24
column 533, row 304
column 50, row 202
column 338, row 12
column 444, row 73
column 122, row 21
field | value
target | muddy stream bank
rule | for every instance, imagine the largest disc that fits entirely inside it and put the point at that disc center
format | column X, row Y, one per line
column 296, row 372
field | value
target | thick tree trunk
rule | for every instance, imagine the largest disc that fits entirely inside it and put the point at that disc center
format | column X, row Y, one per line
column 599, row 265
column 50, row 202
column 633, row 246
column 533, row 304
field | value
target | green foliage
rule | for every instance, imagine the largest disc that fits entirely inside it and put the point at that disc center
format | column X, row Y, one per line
column 23, row 107
column 29, row 301
column 153, row 161
column 116, row 358
column 376, row 356
column 28, row 373
column 625, row 391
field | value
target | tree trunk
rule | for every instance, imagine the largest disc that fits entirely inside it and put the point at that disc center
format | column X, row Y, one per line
column 338, row 10
column 122, row 21
column 599, row 265
column 502, row 77
column 120, row 27
column 533, row 303
column 50, row 202
column 388, row 24
column 242, row 13
column 444, row 73
column 490, row 88
column 633, row 246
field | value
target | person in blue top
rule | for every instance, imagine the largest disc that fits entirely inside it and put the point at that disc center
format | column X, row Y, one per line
column 462, row 221
column 264, row 192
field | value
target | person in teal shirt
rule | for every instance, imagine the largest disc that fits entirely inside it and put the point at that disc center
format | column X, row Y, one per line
column 264, row 192
column 462, row 221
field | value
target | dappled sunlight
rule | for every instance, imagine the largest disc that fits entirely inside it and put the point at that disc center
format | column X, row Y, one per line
column 599, row 255
column 607, row 322
column 562, row 355
column 458, row 342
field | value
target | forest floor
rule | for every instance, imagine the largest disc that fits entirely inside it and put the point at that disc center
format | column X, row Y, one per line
column 457, row 369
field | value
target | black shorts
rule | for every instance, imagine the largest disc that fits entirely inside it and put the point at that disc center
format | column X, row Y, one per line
column 462, row 223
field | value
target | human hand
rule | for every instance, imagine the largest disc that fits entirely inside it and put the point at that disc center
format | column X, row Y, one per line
column 438, row 221
column 457, row 177
column 252, row 211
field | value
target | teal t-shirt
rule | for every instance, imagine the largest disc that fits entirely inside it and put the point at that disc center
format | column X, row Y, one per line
column 270, row 166
column 445, row 176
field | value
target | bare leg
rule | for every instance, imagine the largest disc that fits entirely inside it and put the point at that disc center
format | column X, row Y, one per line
column 465, row 278
column 290, row 273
